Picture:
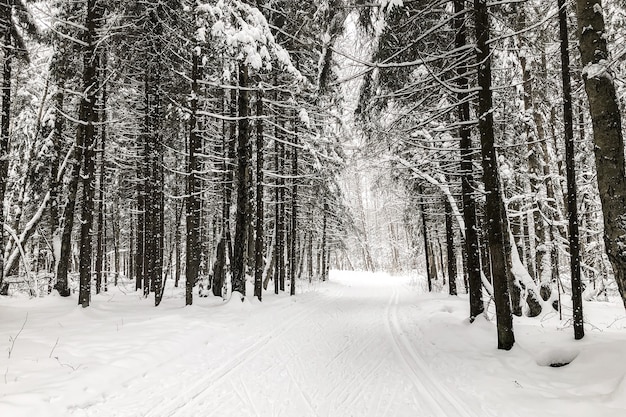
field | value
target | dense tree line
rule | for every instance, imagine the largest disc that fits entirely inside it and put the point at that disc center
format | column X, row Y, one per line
column 168, row 139
column 476, row 125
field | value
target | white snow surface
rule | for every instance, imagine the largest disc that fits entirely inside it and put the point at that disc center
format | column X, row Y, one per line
column 363, row 345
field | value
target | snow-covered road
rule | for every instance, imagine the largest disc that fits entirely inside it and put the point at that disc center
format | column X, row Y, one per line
column 360, row 345
column 343, row 352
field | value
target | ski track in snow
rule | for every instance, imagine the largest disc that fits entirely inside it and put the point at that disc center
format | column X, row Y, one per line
column 202, row 388
column 339, row 353
column 441, row 402
column 344, row 371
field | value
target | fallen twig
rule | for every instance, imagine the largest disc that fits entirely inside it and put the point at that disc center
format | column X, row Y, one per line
column 13, row 339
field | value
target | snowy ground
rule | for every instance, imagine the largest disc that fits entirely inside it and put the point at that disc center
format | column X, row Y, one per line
column 362, row 345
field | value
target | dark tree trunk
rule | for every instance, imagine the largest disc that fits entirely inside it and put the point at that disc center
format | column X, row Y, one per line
column 570, row 161
column 514, row 286
column 451, row 250
column 55, row 180
column 154, row 198
column 260, row 232
column 485, row 256
column 130, row 270
column 279, row 211
column 429, row 277
column 192, row 261
column 491, row 178
column 115, row 229
column 100, row 243
column 229, row 149
column 281, row 241
column 309, row 256
column 5, row 9
column 607, row 134
column 324, row 252
column 243, row 167
column 88, row 117
column 177, row 243
column 294, row 215
column 141, row 216
column 68, row 216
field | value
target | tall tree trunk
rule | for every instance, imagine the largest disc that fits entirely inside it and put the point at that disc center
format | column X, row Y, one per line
column 427, row 257
column 570, row 161
column 607, row 133
column 177, row 243
column 5, row 17
column 539, row 167
column 55, row 183
column 141, row 216
column 491, row 179
column 450, row 249
column 100, row 243
column 294, row 215
column 130, row 270
column 154, row 197
column 309, row 256
column 279, row 210
column 260, row 217
column 192, row 260
column 324, row 252
column 243, row 167
column 282, row 229
column 88, row 118
column 472, row 247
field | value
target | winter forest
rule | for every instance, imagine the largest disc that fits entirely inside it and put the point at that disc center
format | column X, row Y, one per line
column 333, row 207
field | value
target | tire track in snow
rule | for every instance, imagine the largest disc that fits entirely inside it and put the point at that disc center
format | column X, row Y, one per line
column 438, row 398
column 196, row 392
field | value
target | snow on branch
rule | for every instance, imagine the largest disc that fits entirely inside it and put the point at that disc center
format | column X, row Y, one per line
column 242, row 29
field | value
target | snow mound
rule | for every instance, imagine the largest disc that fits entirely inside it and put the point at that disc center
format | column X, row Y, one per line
column 556, row 357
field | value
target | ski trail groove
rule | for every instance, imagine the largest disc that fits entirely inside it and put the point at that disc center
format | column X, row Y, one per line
column 438, row 398
column 201, row 388
column 301, row 391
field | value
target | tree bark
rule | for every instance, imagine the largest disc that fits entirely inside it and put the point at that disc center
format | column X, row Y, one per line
column 141, row 216
column 260, row 216
column 607, row 134
column 100, row 242
column 324, row 252
column 192, row 257
column 5, row 17
column 472, row 247
column 243, row 167
column 491, row 178
column 294, row 215
column 427, row 257
column 450, row 250
column 88, row 117
column 570, row 169
column 279, row 211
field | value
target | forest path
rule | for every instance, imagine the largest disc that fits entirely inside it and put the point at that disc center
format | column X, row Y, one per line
column 338, row 352
column 361, row 345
